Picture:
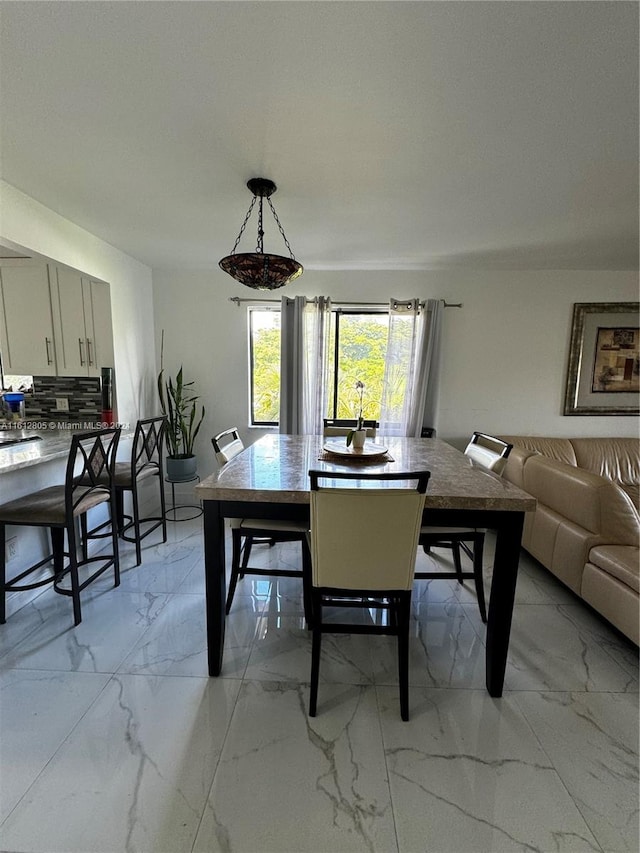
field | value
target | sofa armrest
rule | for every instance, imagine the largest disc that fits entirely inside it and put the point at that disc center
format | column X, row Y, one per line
column 585, row 499
column 514, row 468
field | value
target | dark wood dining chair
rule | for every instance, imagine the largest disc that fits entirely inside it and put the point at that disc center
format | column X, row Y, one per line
column 247, row 532
column 363, row 553
column 490, row 455
column 342, row 426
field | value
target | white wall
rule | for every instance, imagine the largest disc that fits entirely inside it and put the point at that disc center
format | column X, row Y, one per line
column 505, row 351
column 28, row 224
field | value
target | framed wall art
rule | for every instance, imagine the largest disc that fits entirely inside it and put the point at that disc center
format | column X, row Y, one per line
column 603, row 376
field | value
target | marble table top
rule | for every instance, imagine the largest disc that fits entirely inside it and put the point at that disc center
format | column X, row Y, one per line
column 275, row 470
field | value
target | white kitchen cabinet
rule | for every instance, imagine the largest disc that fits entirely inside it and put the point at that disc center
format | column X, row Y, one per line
column 82, row 322
column 97, row 294
column 26, row 326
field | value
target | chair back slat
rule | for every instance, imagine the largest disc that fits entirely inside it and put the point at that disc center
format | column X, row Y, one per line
column 227, row 444
column 90, row 466
column 148, row 442
column 339, row 426
column 366, row 538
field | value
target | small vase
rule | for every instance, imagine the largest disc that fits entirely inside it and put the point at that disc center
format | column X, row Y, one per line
column 358, row 438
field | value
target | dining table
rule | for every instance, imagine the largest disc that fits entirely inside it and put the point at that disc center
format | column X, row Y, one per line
column 270, row 480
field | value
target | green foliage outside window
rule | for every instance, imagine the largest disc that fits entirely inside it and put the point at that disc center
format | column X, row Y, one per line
column 361, row 357
column 361, row 354
column 265, row 366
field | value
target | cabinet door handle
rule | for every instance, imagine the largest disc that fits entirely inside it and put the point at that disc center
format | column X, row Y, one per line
column 89, row 355
column 81, row 352
column 47, row 342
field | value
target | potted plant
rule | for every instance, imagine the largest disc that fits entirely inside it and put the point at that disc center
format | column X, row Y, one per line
column 178, row 404
column 358, row 435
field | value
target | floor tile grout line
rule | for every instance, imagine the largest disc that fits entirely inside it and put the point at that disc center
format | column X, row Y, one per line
column 386, row 766
column 62, row 743
column 561, row 780
column 215, row 772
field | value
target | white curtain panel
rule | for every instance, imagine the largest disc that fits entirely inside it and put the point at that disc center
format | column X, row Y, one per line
column 412, row 367
column 434, row 309
column 317, row 327
column 304, row 348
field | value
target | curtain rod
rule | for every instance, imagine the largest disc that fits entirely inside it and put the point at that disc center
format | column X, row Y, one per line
column 239, row 299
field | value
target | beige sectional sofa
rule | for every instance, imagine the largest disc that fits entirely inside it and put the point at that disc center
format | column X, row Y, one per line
column 586, row 528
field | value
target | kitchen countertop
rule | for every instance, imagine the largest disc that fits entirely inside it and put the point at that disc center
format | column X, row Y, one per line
column 50, row 445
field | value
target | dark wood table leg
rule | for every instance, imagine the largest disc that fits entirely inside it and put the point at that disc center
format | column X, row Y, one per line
column 215, row 583
column 503, row 589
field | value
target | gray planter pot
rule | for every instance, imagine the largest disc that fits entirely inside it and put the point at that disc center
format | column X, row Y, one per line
column 181, row 468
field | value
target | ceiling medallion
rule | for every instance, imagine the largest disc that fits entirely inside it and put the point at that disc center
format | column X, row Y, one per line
column 258, row 269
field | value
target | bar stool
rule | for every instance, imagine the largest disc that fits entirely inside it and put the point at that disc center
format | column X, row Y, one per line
column 146, row 462
column 88, row 483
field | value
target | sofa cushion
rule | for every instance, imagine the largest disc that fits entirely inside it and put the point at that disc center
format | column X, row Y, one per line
column 618, row 459
column 559, row 544
column 620, row 561
column 620, row 518
column 633, row 491
column 569, row 491
column 616, row 601
column 553, row 448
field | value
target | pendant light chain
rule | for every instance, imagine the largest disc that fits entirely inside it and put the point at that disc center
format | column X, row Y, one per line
column 244, row 225
column 275, row 216
column 259, row 247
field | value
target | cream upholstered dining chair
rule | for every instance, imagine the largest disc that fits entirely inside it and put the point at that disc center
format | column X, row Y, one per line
column 490, row 454
column 363, row 552
column 88, row 483
column 338, row 426
column 246, row 532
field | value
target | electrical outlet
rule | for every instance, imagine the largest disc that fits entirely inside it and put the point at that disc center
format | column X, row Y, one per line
column 62, row 404
column 12, row 549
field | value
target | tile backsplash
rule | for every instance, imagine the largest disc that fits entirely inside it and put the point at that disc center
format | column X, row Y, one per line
column 81, row 392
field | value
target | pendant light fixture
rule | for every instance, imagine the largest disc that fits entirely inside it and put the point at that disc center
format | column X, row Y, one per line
column 258, row 269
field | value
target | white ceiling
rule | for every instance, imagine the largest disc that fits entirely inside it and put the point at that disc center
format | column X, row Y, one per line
column 402, row 135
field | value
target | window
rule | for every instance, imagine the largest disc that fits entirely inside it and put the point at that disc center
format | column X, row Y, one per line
column 358, row 350
column 264, row 366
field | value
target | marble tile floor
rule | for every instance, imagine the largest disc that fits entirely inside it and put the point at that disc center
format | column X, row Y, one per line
column 115, row 740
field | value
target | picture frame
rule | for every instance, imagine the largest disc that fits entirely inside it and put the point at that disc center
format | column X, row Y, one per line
column 603, row 373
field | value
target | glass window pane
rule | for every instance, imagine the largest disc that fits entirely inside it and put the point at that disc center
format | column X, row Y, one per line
column 362, row 345
column 358, row 345
column 264, row 331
